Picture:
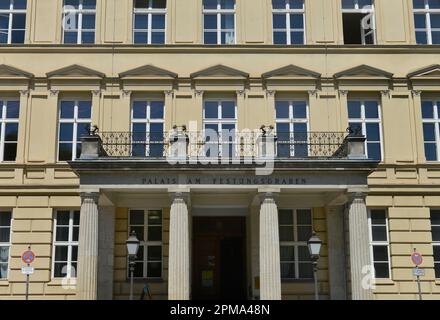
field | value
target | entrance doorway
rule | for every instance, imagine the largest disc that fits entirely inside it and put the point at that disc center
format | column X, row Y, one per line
column 219, row 258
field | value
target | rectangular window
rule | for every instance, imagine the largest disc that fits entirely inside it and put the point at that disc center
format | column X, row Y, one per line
column 435, row 228
column 79, row 19
column 147, row 224
column 219, row 21
column 364, row 117
column 5, row 242
column 358, row 22
column 12, row 21
column 220, row 125
column 431, row 129
column 379, row 244
column 427, row 21
column 65, row 243
column 147, row 126
column 9, row 117
column 295, row 227
column 288, row 21
column 292, row 128
column 149, row 19
column 74, row 121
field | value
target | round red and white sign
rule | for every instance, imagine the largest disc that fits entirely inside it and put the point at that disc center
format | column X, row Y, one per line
column 28, row 257
column 417, row 258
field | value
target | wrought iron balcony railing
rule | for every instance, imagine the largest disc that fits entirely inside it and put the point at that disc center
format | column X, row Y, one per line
column 280, row 145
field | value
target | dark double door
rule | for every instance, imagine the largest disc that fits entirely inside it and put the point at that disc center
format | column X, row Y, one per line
column 219, row 256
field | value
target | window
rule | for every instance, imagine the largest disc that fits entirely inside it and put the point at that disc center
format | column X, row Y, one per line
column 147, row 224
column 292, row 128
column 431, row 129
column 12, row 21
column 75, row 119
column 219, row 21
column 435, row 228
column 427, row 21
column 79, row 21
column 288, row 21
column 379, row 245
column 149, row 21
column 364, row 117
column 147, row 123
column 358, row 21
column 5, row 243
column 9, row 112
column 219, row 125
column 65, row 243
column 295, row 230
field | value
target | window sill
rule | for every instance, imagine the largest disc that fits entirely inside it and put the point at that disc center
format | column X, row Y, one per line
column 296, row 280
column 56, row 282
column 146, row 280
column 382, row 282
column 437, row 282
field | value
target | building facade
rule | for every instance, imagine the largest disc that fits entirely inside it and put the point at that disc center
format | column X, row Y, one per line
column 221, row 141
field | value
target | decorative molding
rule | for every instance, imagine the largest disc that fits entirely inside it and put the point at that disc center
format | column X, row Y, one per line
column 54, row 93
column 416, row 93
column 96, row 93
column 169, row 93
column 90, row 197
column 240, row 93
column 343, row 93
column 24, row 93
column 385, row 93
column 313, row 93
column 199, row 93
column 270, row 93
column 126, row 93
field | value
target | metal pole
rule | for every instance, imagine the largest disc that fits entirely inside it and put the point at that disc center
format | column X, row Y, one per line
column 27, row 284
column 131, row 278
column 419, row 286
column 315, row 276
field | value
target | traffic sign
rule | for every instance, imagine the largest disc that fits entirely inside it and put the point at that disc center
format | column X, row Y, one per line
column 419, row 272
column 417, row 258
column 27, row 270
column 28, row 257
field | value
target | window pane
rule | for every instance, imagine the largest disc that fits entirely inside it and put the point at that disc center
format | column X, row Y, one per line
column 159, row 4
column 435, row 21
column 420, row 21
column 67, row 109
column 296, row 21
column 5, row 219
column 84, row 109
column 138, row 270
column 4, row 254
column 140, row 37
column 429, row 131
column 154, row 253
column 282, row 109
column 228, row 37
column 279, row 37
column 279, row 4
column 88, row 21
column 354, row 109
column 299, row 110
column 11, row 132
column 227, row 21
column 436, row 37
column 379, row 233
column 158, row 21
column 279, row 21
column 139, row 231
column 71, row 37
column 19, row 21
column 210, row 38
column 373, row 132
column 435, row 217
column 10, row 152
column 228, row 110
column 303, row 254
column 287, row 253
column 154, row 269
column 381, row 270
column 211, row 109
column 227, row 4
column 305, row 271
column 304, row 217
column 431, row 151
column 371, row 110
column 421, row 37
column 19, row 4
column 60, row 269
column 286, row 233
column 435, row 233
column 82, row 130
column 154, row 233
column 374, row 151
column 210, row 4
column 304, row 233
column 380, row 253
column 378, row 217
column 65, row 152
column 297, row 37
column 139, row 110
column 140, row 21
column 136, row 217
column 66, row 132
column 88, row 37
column 154, row 217
column 157, row 37
column 287, row 270
column 13, row 109
column 75, row 234
column 62, row 234
column 63, row 218
column 210, row 21
column 5, row 235
column 419, row 4
column 285, row 217
column 61, row 253
column 427, row 110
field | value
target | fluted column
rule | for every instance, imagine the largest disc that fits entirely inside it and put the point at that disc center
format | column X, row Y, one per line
column 270, row 274
column 87, row 275
column 178, row 270
column 360, row 260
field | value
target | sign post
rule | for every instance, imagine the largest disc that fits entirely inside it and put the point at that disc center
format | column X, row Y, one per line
column 27, row 257
column 417, row 259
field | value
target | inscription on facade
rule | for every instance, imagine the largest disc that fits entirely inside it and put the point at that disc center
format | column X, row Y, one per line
column 215, row 180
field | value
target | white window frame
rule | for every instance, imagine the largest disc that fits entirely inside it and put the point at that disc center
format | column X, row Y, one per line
column 149, row 12
column 220, row 122
column 219, row 12
column 75, row 121
column 358, row 9
column 69, row 244
column 436, row 122
column 379, row 243
column 79, row 15
column 292, row 121
column 3, row 122
column 288, row 11
column 427, row 11
column 364, row 121
column 295, row 243
column 147, row 121
column 435, row 243
column 7, row 244
column 145, row 244
column 11, row 11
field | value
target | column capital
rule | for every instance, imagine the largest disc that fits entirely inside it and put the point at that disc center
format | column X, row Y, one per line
column 90, row 196
column 270, row 93
column 54, row 93
column 126, row 93
column 343, row 93
column 268, row 194
column 358, row 197
column 169, row 93
column 179, row 194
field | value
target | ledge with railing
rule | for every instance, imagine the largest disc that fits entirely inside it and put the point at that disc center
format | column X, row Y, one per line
column 266, row 143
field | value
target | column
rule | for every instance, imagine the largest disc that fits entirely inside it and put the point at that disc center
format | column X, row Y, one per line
column 106, row 245
column 178, row 270
column 87, row 275
column 336, row 253
column 270, row 274
column 23, row 127
column 96, row 109
column 360, row 260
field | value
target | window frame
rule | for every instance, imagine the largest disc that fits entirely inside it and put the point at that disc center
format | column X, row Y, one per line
column 436, row 121
column 80, row 12
column 295, row 243
column 149, row 12
column 219, row 12
column 435, row 243
column 145, row 243
column 220, row 122
column 75, row 121
column 3, row 122
column 69, row 243
column 358, row 9
column 373, row 243
column 364, row 121
column 7, row 244
column 11, row 11
column 287, row 11
column 427, row 11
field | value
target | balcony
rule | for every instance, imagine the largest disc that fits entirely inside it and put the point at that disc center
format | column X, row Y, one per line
column 204, row 146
